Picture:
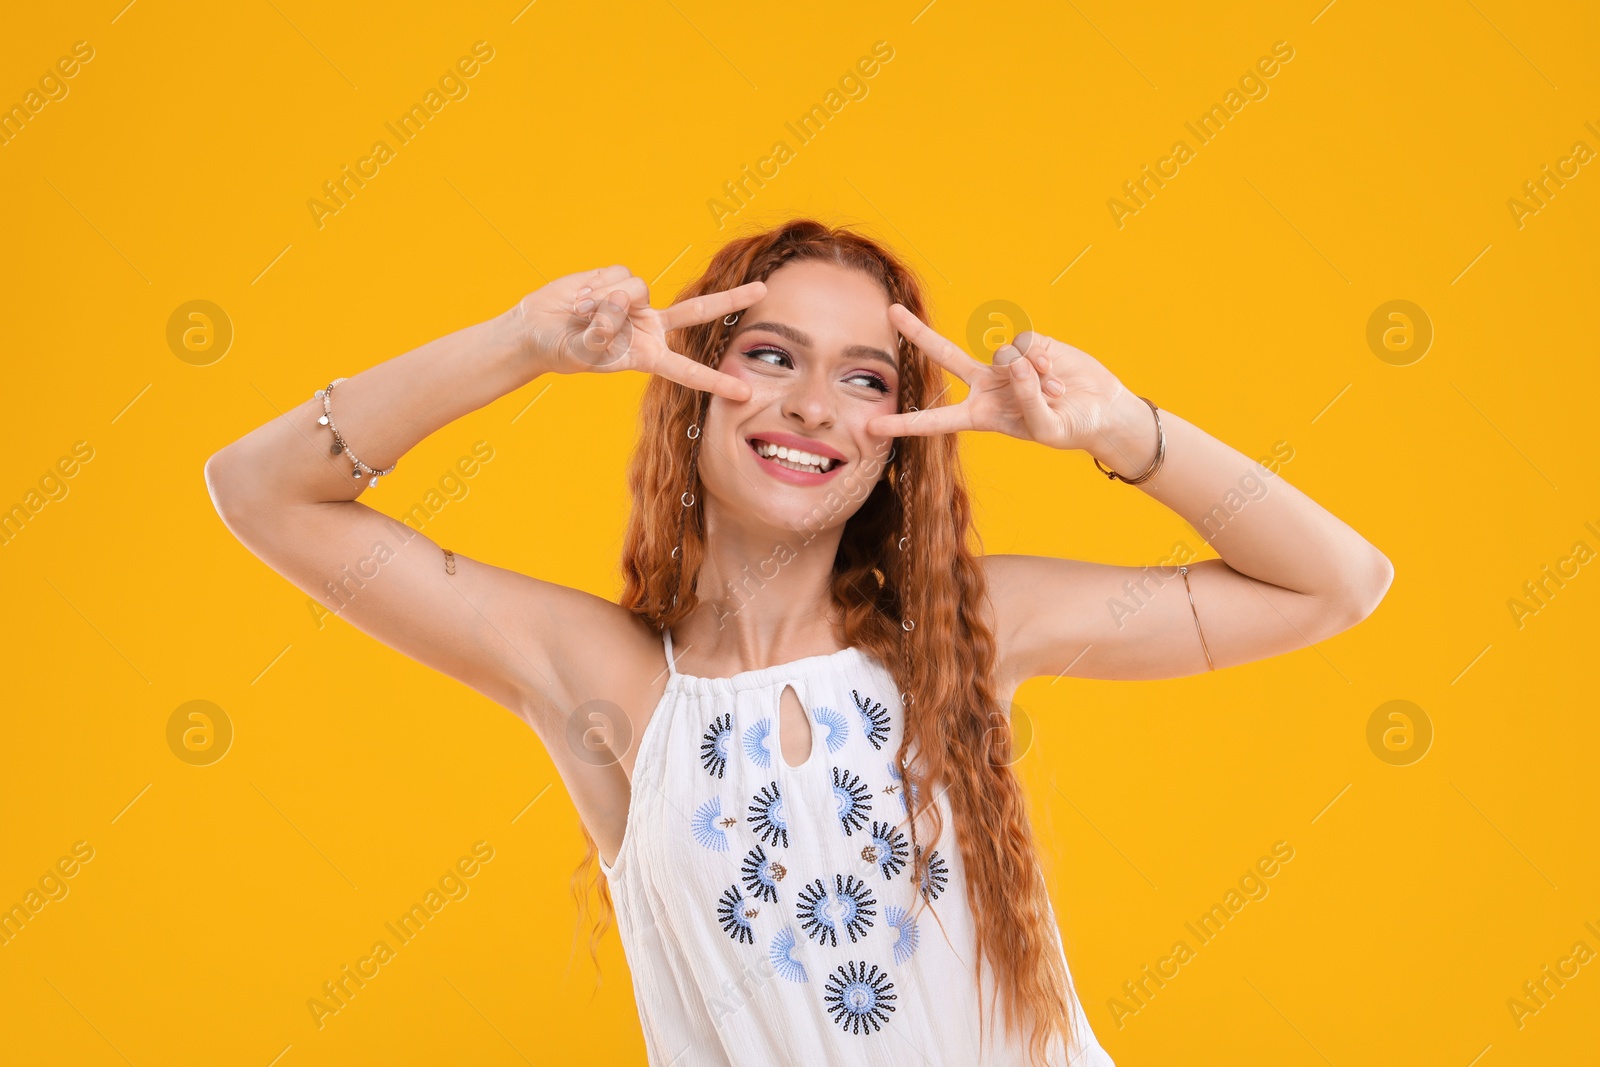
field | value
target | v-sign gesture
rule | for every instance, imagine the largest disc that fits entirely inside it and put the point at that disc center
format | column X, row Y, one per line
column 601, row 321
column 1037, row 389
column 1290, row 574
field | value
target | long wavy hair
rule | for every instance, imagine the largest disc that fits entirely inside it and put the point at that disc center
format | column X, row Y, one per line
column 959, row 731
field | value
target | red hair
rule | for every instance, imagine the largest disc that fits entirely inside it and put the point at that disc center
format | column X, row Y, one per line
column 959, row 728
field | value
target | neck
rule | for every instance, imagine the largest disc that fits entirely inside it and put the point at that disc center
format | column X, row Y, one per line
column 764, row 599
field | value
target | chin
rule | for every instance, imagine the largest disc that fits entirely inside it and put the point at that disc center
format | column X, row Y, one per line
column 797, row 520
column 791, row 515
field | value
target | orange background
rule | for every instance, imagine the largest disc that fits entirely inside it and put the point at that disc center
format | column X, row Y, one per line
column 1378, row 166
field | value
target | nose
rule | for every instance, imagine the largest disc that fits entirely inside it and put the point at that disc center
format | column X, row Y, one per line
column 810, row 400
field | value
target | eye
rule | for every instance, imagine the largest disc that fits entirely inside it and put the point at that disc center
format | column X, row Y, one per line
column 871, row 381
column 757, row 353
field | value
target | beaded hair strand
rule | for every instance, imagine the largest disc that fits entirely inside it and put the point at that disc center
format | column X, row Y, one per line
column 903, row 491
column 687, row 500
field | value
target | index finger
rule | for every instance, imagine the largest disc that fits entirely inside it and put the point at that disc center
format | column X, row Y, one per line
column 941, row 350
column 929, row 422
column 700, row 309
column 697, row 375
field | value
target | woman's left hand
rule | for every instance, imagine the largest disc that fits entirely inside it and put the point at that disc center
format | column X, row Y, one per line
column 1037, row 389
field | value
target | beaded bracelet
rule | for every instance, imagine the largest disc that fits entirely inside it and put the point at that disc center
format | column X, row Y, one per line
column 359, row 469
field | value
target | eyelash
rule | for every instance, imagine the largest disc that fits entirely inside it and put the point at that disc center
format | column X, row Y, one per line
column 880, row 385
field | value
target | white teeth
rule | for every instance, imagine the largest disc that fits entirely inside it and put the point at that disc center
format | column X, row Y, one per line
column 794, row 458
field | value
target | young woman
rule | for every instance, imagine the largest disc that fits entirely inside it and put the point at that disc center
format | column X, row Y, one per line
column 801, row 789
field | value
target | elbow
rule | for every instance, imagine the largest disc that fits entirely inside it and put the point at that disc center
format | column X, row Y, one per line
column 1368, row 587
column 223, row 486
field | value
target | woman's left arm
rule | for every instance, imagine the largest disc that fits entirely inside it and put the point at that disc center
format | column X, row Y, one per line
column 1290, row 573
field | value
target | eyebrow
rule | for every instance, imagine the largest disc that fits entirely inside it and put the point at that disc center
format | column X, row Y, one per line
column 800, row 337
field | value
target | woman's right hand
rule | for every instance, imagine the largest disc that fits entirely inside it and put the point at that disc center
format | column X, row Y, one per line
column 602, row 321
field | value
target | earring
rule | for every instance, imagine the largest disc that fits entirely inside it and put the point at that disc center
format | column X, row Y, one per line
column 730, row 319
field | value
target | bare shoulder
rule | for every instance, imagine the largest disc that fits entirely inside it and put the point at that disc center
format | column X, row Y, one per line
column 1007, row 581
column 1045, row 616
column 595, row 653
column 602, row 676
column 1015, row 582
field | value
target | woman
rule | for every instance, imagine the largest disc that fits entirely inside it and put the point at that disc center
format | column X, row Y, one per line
column 801, row 789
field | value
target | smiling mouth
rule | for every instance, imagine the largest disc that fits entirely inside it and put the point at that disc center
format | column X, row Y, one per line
column 794, row 459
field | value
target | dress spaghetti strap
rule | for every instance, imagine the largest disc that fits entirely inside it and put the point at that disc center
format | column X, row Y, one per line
column 666, row 640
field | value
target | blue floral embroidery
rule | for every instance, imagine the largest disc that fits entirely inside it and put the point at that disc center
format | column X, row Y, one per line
column 757, row 738
column 838, row 727
column 887, row 849
column 735, row 916
column 855, row 902
column 874, row 719
column 781, row 956
column 852, row 800
column 761, row 875
column 937, row 877
column 766, row 815
column 812, row 911
column 860, row 997
column 709, row 829
column 849, row 906
column 905, row 928
column 714, row 744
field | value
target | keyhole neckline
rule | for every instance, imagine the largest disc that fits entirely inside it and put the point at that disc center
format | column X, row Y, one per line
column 761, row 677
column 813, row 728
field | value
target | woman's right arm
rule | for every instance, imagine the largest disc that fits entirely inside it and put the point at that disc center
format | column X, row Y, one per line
column 292, row 502
column 533, row 646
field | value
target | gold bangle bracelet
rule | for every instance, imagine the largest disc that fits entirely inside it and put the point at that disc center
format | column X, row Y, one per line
column 1155, row 464
column 1185, row 572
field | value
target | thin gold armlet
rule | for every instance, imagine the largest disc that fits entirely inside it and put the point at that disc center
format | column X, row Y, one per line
column 1185, row 572
column 1155, row 465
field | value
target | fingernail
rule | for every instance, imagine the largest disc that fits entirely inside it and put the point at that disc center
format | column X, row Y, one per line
column 585, row 306
column 584, row 290
column 1054, row 388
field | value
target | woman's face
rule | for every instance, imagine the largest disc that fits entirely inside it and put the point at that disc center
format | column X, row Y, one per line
column 821, row 358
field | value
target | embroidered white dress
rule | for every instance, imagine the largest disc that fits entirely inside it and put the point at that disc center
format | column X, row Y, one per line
column 767, row 912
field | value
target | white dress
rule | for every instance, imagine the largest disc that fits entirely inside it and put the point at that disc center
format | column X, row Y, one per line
column 767, row 912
